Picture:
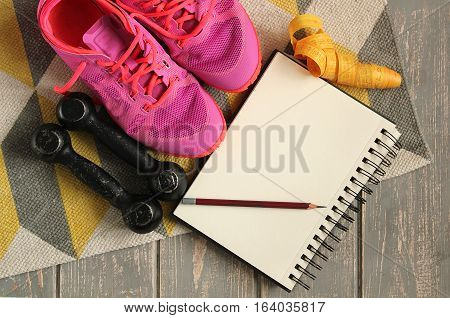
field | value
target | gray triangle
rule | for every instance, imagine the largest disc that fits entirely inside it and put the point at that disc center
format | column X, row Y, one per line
column 33, row 183
column 303, row 5
column 39, row 53
column 395, row 104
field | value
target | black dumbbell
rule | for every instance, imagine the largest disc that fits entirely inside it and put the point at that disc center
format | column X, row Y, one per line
column 140, row 213
column 76, row 111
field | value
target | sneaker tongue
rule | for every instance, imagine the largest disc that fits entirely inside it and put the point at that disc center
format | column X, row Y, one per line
column 108, row 36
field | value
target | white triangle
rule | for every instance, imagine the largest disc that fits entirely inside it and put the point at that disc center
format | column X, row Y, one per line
column 14, row 98
column 405, row 162
column 27, row 253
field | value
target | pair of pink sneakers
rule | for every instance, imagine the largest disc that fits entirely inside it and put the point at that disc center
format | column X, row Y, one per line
column 152, row 98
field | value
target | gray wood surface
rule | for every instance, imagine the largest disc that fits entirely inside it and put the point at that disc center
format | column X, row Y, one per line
column 191, row 266
column 406, row 224
column 399, row 248
column 42, row 283
column 132, row 272
column 338, row 278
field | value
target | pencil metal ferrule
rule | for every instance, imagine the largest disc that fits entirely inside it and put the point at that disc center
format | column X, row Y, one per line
column 189, row 201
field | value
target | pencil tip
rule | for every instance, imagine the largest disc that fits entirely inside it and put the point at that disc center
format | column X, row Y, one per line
column 313, row 206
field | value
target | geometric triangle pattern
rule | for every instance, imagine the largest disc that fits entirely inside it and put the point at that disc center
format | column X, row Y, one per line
column 34, row 183
column 22, row 256
column 81, row 219
column 49, row 217
column 38, row 52
column 10, row 221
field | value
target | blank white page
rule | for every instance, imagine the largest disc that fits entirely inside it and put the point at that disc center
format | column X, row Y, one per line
column 337, row 131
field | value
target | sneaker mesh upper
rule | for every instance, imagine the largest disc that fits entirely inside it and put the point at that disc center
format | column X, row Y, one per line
column 223, row 6
column 224, row 40
column 225, row 54
column 180, row 110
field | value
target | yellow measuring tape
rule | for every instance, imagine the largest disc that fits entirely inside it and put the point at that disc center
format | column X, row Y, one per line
column 311, row 43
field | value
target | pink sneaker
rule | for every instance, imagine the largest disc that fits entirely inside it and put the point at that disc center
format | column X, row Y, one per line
column 213, row 39
column 148, row 95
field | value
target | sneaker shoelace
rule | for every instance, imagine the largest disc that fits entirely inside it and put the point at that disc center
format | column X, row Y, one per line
column 169, row 9
column 145, row 65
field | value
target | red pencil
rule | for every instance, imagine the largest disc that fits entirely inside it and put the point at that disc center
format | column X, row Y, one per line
column 253, row 204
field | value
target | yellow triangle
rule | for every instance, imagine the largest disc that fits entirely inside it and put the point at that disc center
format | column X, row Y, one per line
column 84, row 208
column 290, row 6
column 236, row 100
column 168, row 220
column 13, row 57
column 9, row 224
column 48, row 110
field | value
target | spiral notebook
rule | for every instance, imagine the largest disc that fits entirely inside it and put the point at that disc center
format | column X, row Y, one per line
column 296, row 139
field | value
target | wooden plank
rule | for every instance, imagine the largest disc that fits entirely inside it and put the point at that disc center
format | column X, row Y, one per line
column 41, row 283
column 406, row 226
column 338, row 278
column 130, row 272
column 191, row 266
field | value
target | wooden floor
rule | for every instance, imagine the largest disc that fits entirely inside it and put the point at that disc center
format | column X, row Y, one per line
column 399, row 248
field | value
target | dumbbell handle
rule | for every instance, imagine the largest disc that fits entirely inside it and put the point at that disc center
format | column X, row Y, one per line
column 95, row 178
column 166, row 179
column 124, row 146
column 77, row 112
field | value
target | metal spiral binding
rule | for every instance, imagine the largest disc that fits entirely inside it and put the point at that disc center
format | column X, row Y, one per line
column 304, row 271
column 317, row 252
column 397, row 145
column 378, row 170
column 372, row 179
column 348, row 204
column 336, row 223
column 311, row 262
column 384, row 161
column 318, row 239
column 327, row 232
column 363, row 187
column 357, row 196
column 392, row 151
column 343, row 214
